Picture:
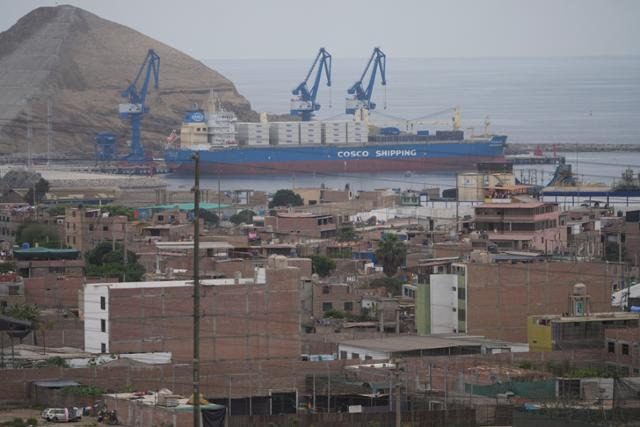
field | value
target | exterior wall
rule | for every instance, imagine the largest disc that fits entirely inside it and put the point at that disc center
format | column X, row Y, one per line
column 84, row 228
column 473, row 185
column 37, row 268
column 339, row 295
column 350, row 352
column 307, row 226
column 53, row 291
column 501, row 296
column 423, row 309
column 443, row 291
column 244, row 321
column 627, row 363
column 539, row 335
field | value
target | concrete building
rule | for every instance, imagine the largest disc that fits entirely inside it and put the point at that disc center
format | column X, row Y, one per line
column 557, row 332
column 476, row 186
column 242, row 318
column 441, row 304
column 315, row 196
column 622, row 350
column 85, row 228
column 344, row 297
column 531, row 225
column 302, row 225
column 406, row 346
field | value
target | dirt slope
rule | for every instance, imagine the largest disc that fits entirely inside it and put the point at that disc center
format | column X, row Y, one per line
column 83, row 62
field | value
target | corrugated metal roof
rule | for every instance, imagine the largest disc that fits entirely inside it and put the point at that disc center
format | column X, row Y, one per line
column 59, row 383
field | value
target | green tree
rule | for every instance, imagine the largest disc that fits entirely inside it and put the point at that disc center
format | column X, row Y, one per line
column 391, row 253
column 286, row 198
column 7, row 266
column 244, row 216
column 103, row 261
column 346, row 234
column 43, row 234
column 41, row 188
column 334, row 314
column 56, row 210
column 391, row 284
column 322, row 265
column 210, row 218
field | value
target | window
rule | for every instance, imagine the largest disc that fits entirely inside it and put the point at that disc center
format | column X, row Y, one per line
column 367, row 357
column 348, row 306
column 326, row 306
column 103, row 348
column 103, row 303
column 325, row 290
column 343, row 354
column 105, row 228
column 462, row 294
column 625, row 349
column 462, row 316
column 103, row 325
column 355, row 355
column 91, row 227
column 611, row 347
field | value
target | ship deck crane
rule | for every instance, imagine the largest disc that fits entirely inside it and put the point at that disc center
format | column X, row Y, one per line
column 304, row 103
column 361, row 98
column 136, row 107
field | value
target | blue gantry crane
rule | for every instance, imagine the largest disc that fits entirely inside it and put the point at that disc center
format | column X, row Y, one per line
column 361, row 97
column 304, row 102
column 136, row 107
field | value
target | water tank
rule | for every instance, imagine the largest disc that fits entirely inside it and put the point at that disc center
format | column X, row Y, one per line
column 25, row 245
column 579, row 289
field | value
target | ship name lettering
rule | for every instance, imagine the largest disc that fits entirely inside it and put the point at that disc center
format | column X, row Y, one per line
column 396, row 153
column 354, row 153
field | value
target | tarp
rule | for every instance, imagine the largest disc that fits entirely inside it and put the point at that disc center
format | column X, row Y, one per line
column 213, row 417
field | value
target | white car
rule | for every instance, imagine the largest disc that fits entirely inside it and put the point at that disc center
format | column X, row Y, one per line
column 45, row 413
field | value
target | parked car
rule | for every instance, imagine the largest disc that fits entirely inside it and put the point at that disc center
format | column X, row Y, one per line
column 45, row 413
column 62, row 414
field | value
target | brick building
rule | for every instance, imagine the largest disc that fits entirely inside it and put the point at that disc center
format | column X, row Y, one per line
column 531, row 225
column 85, row 228
column 242, row 318
column 301, row 224
column 342, row 297
column 622, row 350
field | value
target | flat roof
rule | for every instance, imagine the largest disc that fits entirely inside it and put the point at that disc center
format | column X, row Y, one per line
column 596, row 317
column 513, row 205
column 510, row 236
column 408, row 343
column 187, row 206
column 189, row 245
column 178, row 283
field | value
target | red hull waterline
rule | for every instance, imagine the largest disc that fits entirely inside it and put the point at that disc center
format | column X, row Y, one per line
column 449, row 164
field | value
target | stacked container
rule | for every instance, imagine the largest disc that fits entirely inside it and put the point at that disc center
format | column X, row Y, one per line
column 334, row 133
column 310, row 133
column 357, row 133
column 284, row 133
column 253, row 134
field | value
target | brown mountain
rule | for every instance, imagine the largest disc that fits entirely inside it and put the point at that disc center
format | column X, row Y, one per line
column 83, row 62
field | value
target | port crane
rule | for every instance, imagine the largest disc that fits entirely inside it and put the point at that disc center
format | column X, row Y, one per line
column 136, row 107
column 361, row 97
column 304, row 102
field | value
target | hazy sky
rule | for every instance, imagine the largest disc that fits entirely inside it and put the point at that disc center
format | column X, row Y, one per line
column 350, row 28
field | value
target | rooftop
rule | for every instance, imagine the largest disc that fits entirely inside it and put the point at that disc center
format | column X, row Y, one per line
column 45, row 253
column 409, row 343
column 180, row 283
column 189, row 245
column 187, row 206
column 595, row 317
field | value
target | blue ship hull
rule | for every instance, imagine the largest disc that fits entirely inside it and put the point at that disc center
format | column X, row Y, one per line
column 405, row 155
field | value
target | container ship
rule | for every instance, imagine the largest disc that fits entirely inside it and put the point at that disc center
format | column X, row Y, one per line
column 228, row 147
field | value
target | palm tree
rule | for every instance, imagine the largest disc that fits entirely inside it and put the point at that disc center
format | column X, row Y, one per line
column 391, row 253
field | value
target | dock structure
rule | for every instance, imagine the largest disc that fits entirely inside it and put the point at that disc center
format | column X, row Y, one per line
column 535, row 160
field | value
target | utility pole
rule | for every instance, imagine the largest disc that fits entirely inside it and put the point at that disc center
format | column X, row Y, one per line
column 196, row 293
column 398, row 404
column 219, row 199
column 49, row 130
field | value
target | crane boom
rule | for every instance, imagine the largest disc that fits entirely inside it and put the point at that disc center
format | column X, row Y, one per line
column 304, row 102
column 136, row 107
column 362, row 97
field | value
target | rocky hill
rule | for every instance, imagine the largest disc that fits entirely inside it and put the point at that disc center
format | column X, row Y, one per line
column 83, row 62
